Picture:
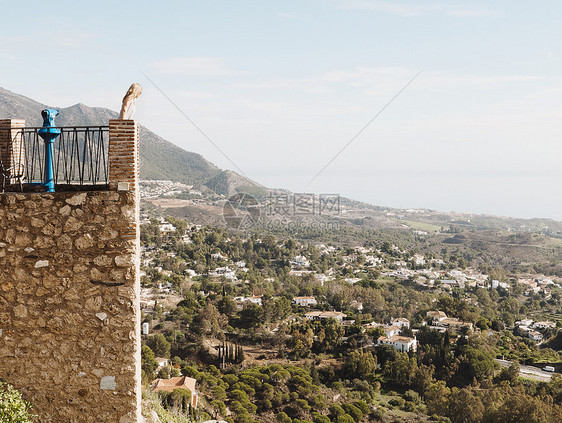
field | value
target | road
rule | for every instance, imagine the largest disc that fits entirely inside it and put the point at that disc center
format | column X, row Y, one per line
column 529, row 371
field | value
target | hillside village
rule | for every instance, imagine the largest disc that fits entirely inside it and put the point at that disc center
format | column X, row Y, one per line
column 355, row 263
column 234, row 301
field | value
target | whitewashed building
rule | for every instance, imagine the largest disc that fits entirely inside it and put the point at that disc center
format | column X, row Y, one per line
column 400, row 343
column 305, row 301
column 319, row 315
column 401, row 322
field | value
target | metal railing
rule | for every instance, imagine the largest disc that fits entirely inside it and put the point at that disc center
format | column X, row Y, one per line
column 79, row 156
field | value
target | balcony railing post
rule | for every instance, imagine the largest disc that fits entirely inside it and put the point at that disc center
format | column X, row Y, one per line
column 123, row 155
column 12, row 147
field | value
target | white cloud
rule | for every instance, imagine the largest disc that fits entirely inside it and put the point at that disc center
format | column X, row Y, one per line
column 409, row 9
column 196, row 66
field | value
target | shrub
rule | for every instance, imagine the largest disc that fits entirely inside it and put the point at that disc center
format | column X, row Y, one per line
column 283, row 418
column 353, row 411
column 230, row 379
column 412, row 396
column 377, row 414
column 303, row 404
column 265, row 405
column 409, row 406
column 346, row 418
column 336, row 410
column 362, row 405
column 397, row 402
column 317, row 401
column 13, row 408
column 319, row 418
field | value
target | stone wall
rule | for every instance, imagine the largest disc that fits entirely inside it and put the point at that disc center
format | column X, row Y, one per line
column 69, row 303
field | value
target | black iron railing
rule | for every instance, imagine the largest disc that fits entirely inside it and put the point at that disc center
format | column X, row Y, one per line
column 79, row 156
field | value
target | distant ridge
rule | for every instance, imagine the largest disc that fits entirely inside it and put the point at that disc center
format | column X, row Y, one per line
column 160, row 159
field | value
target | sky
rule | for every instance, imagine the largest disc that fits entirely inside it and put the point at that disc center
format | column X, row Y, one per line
column 447, row 105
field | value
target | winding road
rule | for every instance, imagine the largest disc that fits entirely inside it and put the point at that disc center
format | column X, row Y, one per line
column 528, row 371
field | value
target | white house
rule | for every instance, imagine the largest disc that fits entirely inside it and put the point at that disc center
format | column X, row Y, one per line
column 305, row 301
column 254, row 299
column 356, row 305
column 401, row 322
column 179, row 382
column 524, row 322
column 391, row 331
column 218, row 256
column 544, row 325
column 319, row 315
column 300, row 261
column 167, row 227
column 535, row 336
column 497, row 284
column 400, row 343
column 436, row 316
column 162, row 362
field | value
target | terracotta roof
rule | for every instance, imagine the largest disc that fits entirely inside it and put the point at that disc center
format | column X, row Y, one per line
column 179, row 382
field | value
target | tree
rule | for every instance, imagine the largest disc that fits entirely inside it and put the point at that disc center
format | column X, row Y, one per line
column 218, row 407
column 282, row 308
column 251, row 316
column 13, row 408
column 476, row 363
column 437, row 398
column 465, row 407
column 360, row 365
column 333, row 332
column 511, row 373
column 522, row 408
column 149, row 364
column 402, row 370
column 160, row 346
column 209, row 321
column 302, row 342
column 227, row 306
column 180, row 398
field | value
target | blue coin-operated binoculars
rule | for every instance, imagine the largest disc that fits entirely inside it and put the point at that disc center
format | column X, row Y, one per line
column 49, row 132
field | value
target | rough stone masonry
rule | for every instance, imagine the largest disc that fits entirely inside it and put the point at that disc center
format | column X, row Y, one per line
column 69, row 295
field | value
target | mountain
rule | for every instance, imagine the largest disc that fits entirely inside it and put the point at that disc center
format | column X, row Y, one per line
column 160, row 159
